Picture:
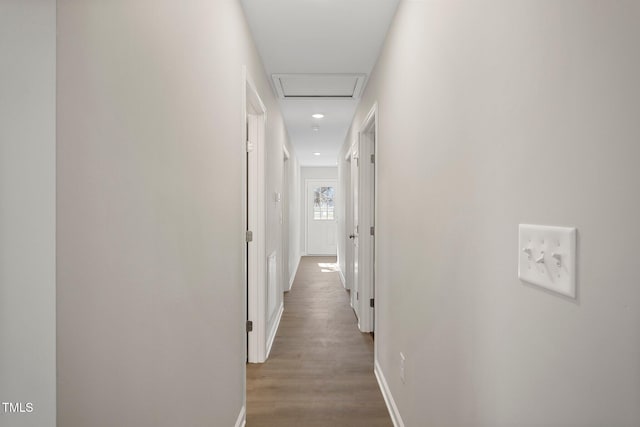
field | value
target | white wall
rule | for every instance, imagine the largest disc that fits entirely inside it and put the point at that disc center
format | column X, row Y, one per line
column 307, row 172
column 151, row 297
column 27, row 210
column 492, row 114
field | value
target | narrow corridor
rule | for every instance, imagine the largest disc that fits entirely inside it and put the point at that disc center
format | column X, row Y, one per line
column 320, row 371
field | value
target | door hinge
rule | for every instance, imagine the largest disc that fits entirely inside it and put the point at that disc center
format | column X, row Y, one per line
column 248, row 236
column 373, row 158
column 371, row 303
column 249, row 326
column 357, row 296
column 248, row 146
column 372, row 231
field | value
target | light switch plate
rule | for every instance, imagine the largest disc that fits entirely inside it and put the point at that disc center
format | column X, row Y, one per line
column 547, row 257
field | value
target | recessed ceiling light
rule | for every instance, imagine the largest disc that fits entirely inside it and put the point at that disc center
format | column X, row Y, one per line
column 317, row 116
column 316, row 154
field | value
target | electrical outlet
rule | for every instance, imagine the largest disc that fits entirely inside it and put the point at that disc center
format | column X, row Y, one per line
column 402, row 372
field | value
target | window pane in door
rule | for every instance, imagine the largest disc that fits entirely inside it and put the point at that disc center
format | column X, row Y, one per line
column 323, row 203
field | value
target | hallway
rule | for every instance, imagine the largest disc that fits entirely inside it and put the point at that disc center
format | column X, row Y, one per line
column 468, row 169
column 320, row 371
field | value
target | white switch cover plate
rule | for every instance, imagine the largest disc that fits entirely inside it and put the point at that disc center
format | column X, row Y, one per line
column 547, row 257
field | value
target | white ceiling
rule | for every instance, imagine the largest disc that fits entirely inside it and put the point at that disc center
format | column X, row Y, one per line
column 318, row 36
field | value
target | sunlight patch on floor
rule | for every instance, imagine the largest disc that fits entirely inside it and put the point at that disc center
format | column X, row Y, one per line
column 328, row 267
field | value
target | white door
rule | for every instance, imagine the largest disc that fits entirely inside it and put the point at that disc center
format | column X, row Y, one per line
column 255, row 204
column 284, row 220
column 321, row 221
column 348, row 220
column 366, row 222
column 355, row 175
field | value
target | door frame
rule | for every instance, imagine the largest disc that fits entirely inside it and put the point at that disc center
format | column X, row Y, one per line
column 308, row 181
column 367, row 214
column 254, row 116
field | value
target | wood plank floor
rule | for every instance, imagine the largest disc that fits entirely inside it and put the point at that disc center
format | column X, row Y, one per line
column 320, row 371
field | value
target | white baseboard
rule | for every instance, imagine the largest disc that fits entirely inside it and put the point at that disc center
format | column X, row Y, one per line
column 293, row 276
column 242, row 418
column 388, row 398
column 274, row 330
column 342, row 279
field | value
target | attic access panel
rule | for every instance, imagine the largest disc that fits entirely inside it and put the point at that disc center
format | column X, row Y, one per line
column 318, row 86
